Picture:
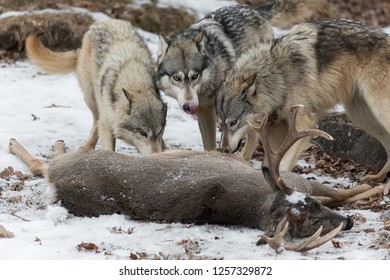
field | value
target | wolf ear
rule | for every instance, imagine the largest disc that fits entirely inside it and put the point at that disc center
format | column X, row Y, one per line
column 248, row 86
column 199, row 40
column 126, row 100
column 163, row 45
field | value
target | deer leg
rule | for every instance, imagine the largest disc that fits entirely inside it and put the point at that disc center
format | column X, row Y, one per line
column 333, row 197
column 365, row 195
column 59, row 148
column 207, row 122
column 35, row 165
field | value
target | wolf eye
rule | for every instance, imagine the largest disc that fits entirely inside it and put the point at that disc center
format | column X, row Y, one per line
column 176, row 78
column 195, row 76
column 143, row 133
column 233, row 123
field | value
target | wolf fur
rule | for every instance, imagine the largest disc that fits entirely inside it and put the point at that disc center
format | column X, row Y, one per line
column 318, row 65
column 115, row 71
column 192, row 63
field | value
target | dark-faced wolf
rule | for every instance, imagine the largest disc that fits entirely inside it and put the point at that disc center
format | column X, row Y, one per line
column 317, row 65
column 115, row 71
column 192, row 63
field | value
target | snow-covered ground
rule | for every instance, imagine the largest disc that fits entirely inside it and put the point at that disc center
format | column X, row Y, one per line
column 38, row 109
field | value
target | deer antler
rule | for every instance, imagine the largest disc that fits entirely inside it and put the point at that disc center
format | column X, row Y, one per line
column 272, row 159
column 311, row 242
column 270, row 168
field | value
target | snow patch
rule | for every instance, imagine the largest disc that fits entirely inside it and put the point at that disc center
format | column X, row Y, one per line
column 296, row 197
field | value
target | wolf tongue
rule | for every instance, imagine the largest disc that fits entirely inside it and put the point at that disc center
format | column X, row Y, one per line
column 193, row 108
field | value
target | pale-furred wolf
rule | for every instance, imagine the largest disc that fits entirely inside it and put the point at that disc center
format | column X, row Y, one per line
column 317, row 65
column 192, row 63
column 116, row 73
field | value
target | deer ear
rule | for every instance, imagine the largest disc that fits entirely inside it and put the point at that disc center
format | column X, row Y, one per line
column 248, row 86
column 163, row 45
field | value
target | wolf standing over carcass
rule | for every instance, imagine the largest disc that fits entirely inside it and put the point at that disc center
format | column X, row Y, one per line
column 115, row 70
column 192, row 63
column 318, row 65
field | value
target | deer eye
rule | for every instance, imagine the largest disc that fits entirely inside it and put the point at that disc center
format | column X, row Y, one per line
column 176, row 78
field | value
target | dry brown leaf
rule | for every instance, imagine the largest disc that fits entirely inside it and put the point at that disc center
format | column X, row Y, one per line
column 182, row 242
column 368, row 230
column 133, row 256
column 87, row 246
column 357, row 217
column 7, row 172
column 337, row 244
column 386, row 225
column 14, row 199
column 119, row 230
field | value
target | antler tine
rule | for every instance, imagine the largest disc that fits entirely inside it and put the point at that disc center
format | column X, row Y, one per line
column 272, row 158
column 310, row 243
column 293, row 134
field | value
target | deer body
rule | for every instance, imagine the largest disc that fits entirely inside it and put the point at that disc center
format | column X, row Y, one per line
column 180, row 186
column 201, row 187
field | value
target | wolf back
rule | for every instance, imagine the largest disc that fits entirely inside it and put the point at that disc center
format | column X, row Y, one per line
column 192, row 63
column 318, row 65
column 115, row 71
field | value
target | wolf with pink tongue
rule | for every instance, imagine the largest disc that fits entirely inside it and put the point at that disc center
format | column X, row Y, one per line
column 192, row 63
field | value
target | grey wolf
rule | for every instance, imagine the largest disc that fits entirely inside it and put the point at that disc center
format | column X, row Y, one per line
column 115, row 71
column 192, row 63
column 318, row 65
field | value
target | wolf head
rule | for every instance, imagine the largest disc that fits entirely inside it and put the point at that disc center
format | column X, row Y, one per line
column 141, row 120
column 236, row 106
column 183, row 67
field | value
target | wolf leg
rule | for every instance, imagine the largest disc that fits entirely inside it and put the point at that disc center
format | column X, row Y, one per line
column 250, row 145
column 93, row 137
column 207, row 121
column 106, row 137
column 371, row 116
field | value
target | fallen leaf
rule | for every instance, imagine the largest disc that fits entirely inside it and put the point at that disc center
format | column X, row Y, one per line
column 336, row 244
column 386, row 225
column 357, row 217
column 368, row 230
column 35, row 118
column 14, row 199
column 180, row 243
column 87, row 246
column 7, row 172
column 133, row 256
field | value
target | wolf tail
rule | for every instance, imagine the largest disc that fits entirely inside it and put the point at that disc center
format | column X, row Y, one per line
column 284, row 13
column 49, row 61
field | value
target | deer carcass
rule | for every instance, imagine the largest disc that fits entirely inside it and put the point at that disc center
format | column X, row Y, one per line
column 195, row 187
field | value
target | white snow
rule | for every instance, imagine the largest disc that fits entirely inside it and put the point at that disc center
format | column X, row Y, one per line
column 45, row 231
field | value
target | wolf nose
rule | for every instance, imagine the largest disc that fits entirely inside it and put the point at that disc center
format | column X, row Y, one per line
column 349, row 223
column 190, row 108
column 224, row 150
